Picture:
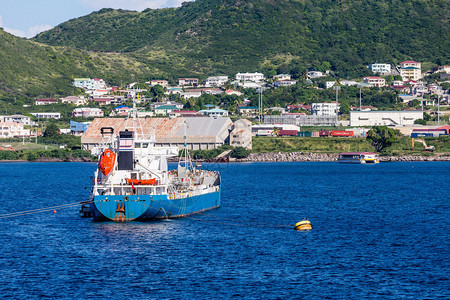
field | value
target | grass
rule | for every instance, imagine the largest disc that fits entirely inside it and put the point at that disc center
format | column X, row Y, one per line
column 344, row 144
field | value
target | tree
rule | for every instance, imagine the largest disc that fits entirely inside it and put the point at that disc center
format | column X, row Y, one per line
column 157, row 92
column 345, row 108
column 51, row 130
column 420, row 121
column 240, row 152
column 381, row 137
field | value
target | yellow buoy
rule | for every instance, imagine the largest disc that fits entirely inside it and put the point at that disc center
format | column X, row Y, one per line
column 303, row 225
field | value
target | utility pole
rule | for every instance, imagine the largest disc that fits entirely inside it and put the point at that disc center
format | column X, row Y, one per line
column 337, row 88
column 260, row 105
column 439, row 114
column 360, row 87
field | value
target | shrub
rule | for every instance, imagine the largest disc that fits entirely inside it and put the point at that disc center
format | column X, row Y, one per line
column 240, row 152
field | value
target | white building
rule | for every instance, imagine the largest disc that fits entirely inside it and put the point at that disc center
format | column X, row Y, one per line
column 47, row 115
column 382, row 69
column 255, row 77
column 45, row 101
column 17, row 119
column 215, row 112
column 349, row 82
column 160, row 82
column 285, row 82
column 375, row 81
column 315, row 74
column 191, row 94
column 188, row 81
column 173, row 103
column 329, row 84
column 216, row 80
column 250, row 85
column 410, row 70
column 89, row 84
column 87, row 112
column 77, row 100
column 282, row 77
column 324, row 109
column 99, row 93
column 12, row 129
column 387, row 118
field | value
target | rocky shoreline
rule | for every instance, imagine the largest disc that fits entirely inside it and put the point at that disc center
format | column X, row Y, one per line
column 300, row 156
column 275, row 157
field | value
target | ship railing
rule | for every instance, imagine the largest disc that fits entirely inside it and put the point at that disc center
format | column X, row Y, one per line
column 126, row 189
column 185, row 194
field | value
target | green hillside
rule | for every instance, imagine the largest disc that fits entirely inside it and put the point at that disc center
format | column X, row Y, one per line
column 29, row 69
column 227, row 36
column 223, row 37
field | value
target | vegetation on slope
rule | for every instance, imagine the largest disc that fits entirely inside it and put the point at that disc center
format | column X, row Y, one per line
column 227, row 36
column 30, row 69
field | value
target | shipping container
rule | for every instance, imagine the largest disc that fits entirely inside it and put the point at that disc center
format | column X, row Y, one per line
column 305, row 133
column 428, row 132
column 342, row 133
column 421, row 134
column 288, row 133
column 324, row 133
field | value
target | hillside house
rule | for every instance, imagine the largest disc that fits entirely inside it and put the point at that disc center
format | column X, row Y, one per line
column 248, row 111
column 47, row 115
column 13, row 129
column 45, row 101
column 77, row 100
column 253, row 77
column 382, row 69
column 410, row 70
column 285, row 82
column 90, row 84
column 282, row 77
column 216, row 80
column 215, row 112
column 187, row 81
column 164, row 110
column 16, row 119
column 87, row 112
column 375, row 81
column 163, row 83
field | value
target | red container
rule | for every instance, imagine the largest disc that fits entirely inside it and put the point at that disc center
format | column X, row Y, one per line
column 324, row 133
column 342, row 133
column 288, row 133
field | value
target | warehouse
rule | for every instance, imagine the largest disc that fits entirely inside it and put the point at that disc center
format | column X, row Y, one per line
column 201, row 133
column 387, row 118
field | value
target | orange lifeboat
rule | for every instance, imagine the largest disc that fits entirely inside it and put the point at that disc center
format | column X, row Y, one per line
column 141, row 181
column 107, row 162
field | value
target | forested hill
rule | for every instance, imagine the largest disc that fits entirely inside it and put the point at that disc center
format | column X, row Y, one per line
column 29, row 69
column 226, row 36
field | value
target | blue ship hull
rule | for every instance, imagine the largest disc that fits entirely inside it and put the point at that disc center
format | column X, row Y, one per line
column 123, row 208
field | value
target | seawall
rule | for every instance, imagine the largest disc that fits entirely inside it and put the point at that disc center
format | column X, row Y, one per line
column 300, row 156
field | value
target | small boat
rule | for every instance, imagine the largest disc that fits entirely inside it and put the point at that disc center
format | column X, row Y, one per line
column 141, row 181
column 358, row 158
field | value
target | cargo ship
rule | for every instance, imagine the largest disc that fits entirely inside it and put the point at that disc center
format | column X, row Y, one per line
column 133, row 181
column 358, row 158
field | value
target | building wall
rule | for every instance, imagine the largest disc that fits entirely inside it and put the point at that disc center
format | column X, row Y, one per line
column 324, row 109
column 387, row 118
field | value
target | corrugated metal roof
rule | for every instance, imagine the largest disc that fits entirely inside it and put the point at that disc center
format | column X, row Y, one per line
column 210, row 130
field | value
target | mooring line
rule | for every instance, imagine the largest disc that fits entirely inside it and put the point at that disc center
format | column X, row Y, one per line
column 44, row 209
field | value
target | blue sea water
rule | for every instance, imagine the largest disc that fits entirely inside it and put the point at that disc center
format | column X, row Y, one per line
column 379, row 231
